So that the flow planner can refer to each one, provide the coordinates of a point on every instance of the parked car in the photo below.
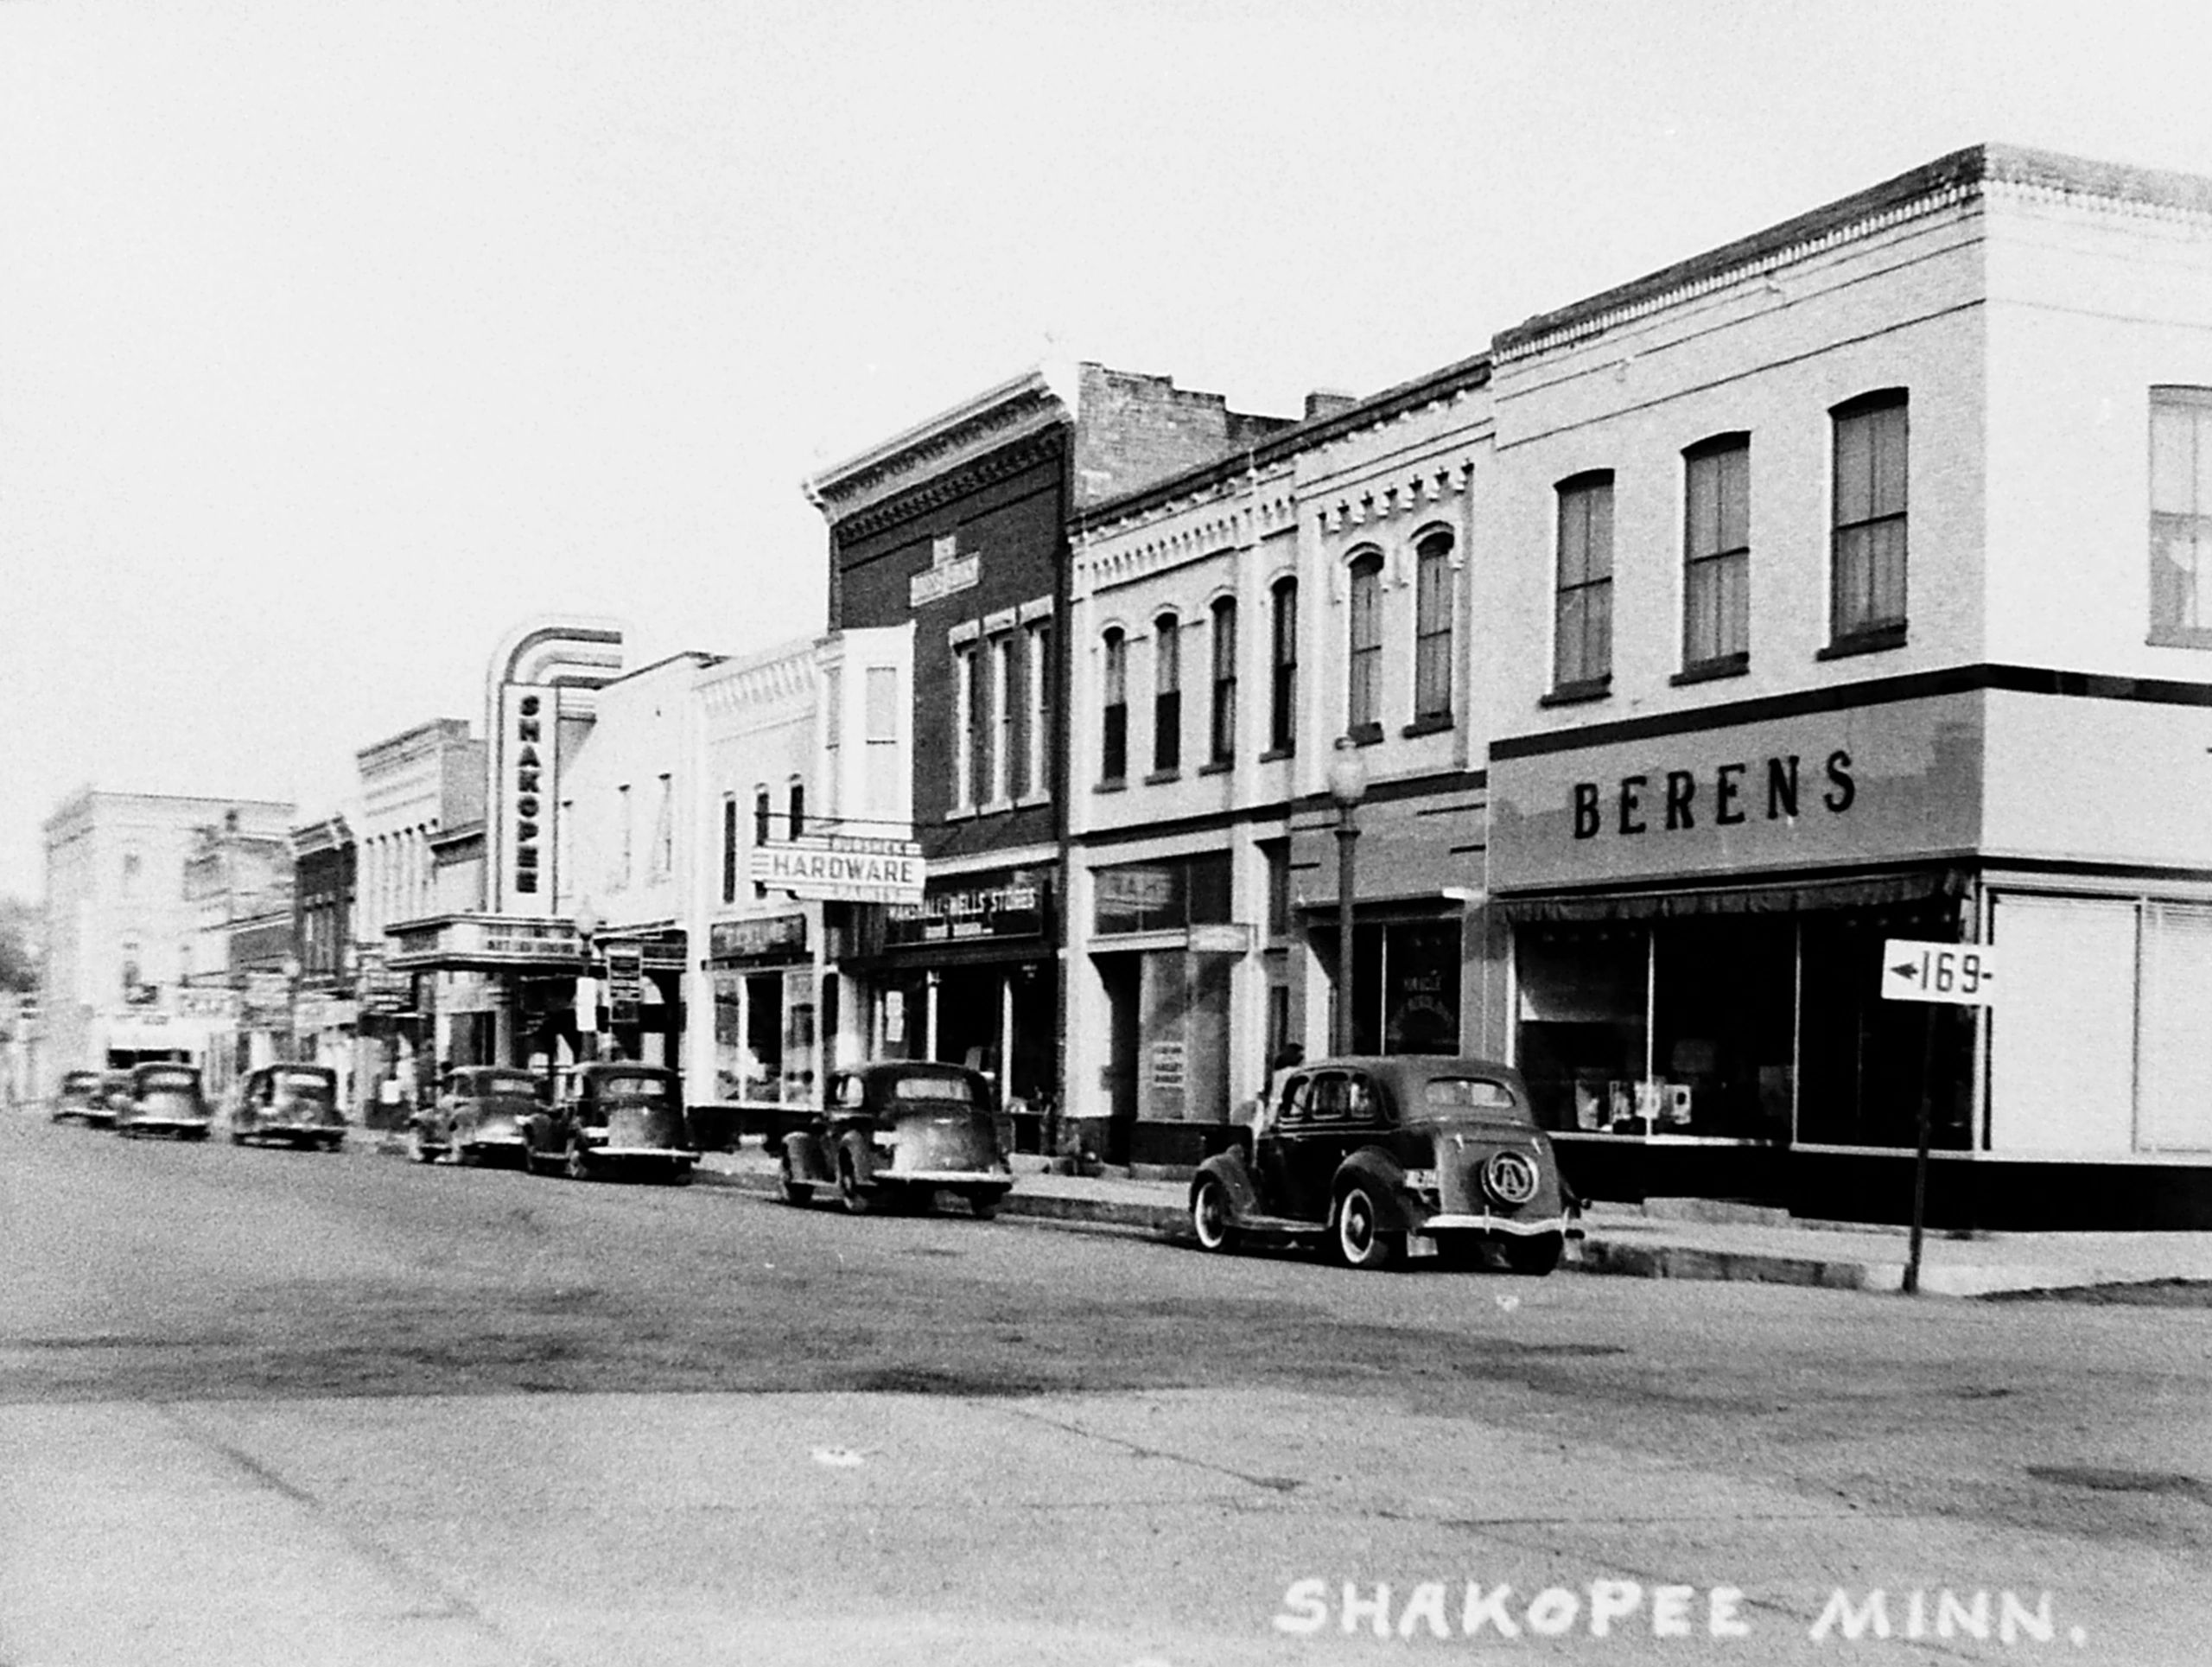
(114, 1094)
(1383, 1156)
(900, 1132)
(480, 1113)
(79, 1097)
(611, 1115)
(164, 1100)
(296, 1104)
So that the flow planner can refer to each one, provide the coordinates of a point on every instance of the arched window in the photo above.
(1166, 695)
(1364, 705)
(1433, 629)
(1282, 659)
(1223, 730)
(1113, 737)
(1868, 557)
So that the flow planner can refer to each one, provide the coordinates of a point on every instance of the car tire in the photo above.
(984, 1205)
(1537, 1255)
(575, 1163)
(851, 1193)
(1362, 1241)
(796, 1192)
(1213, 1215)
(418, 1150)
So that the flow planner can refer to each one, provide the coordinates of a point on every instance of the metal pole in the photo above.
(1347, 836)
(1920, 1159)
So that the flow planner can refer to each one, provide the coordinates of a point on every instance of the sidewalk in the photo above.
(1681, 1239)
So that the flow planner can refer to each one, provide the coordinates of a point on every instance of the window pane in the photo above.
(882, 703)
(1601, 532)
(1854, 492)
(1700, 612)
(1702, 513)
(1598, 633)
(1887, 429)
(1887, 582)
(1735, 495)
(1735, 606)
(1573, 537)
(1168, 656)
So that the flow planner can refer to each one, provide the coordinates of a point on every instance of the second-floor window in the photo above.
(1038, 692)
(1282, 659)
(1867, 555)
(1223, 730)
(1167, 694)
(798, 809)
(2181, 517)
(1717, 553)
(1363, 704)
(729, 848)
(1582, 617)
(880, 790)
(1433, 629)
(971, 727)
(1004, 692)
(1114, 728)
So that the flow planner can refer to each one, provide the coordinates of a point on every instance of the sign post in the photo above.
(1939, 975)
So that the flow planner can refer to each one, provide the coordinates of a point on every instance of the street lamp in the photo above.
(291, 972)
(587, 925)
(1347, 787)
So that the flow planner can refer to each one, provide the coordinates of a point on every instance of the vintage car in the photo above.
(479, 1115)
(897, 1131)
(609, 1115)
(79, 1097)
(163, 1099)
(294, 1103)
(1388, 1157)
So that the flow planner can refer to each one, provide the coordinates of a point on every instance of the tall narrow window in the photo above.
(1582, 622)
(1717, 553)
(2181, 517)
(967, 723)
(1166, 695)
(663, 857)
(1433, 629)
(1114, 730)
(729, 848)
(833, 737)
(1003, 693)
(1223, 730)
(880, 785)
(797, 801)
(1363, 703)
(628, 849)
(1283, 657)
(1867, 560)
(761, 814)
(1039, 692)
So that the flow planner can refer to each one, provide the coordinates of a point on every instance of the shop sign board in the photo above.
(527, 792)
(1010, 905)
(766, 938)
(834, 865)
(948, 574)
(625, 981)
(1896, 779)
(1962, 975)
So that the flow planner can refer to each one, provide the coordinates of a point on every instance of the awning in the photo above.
(1804, 895)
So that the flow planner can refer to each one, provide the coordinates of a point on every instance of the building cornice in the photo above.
(958, 478)
(1014, 409)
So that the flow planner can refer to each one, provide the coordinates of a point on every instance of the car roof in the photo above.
(1408, 1070)
(874, 1068)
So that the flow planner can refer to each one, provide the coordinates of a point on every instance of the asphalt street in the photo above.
(266, 1406)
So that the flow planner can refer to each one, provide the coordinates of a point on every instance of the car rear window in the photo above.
(301, 1082)
(1467, 1094)
(628, 1086)
(170, 1079)
(517, 1085)
(957, 1090)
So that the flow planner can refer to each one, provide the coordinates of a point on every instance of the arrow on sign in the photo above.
(1907, 970)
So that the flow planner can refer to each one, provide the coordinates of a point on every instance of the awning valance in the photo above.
(1798, 896)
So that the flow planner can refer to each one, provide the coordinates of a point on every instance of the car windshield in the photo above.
(633, 1086)
(295, 1085)
(499, 1085)
(950, 1090)
(1449, 1094)
(153, 1082)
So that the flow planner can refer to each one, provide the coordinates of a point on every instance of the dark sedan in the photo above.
(295, 1104)
(79, 1097)
(609, 1116)
(901, 1131)
(1388, 1157)
(482, 1114)
(164, 1100)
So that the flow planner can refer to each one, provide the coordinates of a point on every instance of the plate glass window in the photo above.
(1717, 553)
(1868, 552)
(2181, 516)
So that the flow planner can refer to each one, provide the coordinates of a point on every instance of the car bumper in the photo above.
(997, 1178)
(642, 1153)
(1516, 1227)
(170, 1125)
(491, 1142)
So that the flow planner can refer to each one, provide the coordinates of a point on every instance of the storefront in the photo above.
(1698, 917)
(968, 975)
(765, 1024)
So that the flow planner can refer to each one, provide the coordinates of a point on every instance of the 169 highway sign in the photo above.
(1964, 975)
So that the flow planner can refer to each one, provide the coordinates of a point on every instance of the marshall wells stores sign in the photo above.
(833, 866)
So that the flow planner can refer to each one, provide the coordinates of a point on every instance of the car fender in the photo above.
(803, 1151)
(1385, 1178)
(1228, 1168)
(855, 1144)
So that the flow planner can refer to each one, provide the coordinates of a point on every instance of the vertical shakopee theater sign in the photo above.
(529, 792)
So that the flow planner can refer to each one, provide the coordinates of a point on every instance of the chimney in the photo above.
(1327, 402)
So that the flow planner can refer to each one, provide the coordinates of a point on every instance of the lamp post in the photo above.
(587, 925)
(1347, 787)
(291, 972)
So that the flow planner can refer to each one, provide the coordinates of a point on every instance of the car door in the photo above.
(1298, 1163)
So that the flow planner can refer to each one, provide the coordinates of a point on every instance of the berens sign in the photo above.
(1902, 779)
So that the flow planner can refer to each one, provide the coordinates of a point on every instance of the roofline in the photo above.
(1461, 374)
(1037, 380)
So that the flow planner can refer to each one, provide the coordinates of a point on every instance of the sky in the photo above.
(336, 339)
